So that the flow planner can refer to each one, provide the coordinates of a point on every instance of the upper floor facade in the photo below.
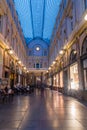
(13, 49)
(38, 55)
(70, 22)
(11, 34)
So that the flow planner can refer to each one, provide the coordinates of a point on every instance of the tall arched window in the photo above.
(84, 46)
(85, 4)
(73, 56)
(37, 65)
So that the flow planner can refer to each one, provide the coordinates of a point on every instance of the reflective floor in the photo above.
(43, 111)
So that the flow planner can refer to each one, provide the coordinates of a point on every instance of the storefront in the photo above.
(74, 74)
(49, 82)
(74, 79)
(65, 79)
(55, 81)
(61, 79)
(12, 73)
(84, 62)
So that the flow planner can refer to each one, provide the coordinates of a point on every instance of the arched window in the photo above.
(73, 56)
(37, 65)
(34, 65)
(84, 46)
(85, 4)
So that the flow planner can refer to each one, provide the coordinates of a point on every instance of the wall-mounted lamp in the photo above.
(19, 62)
(54, 62)
(49, 68)
(62, 51)
(75, 52)
(24, 68)
(85, 17)
(10, 51)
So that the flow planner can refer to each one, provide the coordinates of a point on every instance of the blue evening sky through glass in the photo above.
(37, 17)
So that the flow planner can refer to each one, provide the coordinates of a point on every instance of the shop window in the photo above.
(84, 46)
(61, 79)
(74, 79)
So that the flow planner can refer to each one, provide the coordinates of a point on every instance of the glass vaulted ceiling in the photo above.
(37, 17)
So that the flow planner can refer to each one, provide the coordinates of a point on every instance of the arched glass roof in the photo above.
(37, 17)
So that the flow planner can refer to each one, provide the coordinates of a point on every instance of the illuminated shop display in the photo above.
(56, 80)
(61, 79)
(49, 82)
(74, 80)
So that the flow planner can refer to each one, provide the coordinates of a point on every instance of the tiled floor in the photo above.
(48, 111)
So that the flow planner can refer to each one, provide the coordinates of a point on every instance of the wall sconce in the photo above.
(85, 17)
(54, 62)
(24, 68)
(75, 52)
(49, 68)
(10, 51)
(62, 51)
(19, 62)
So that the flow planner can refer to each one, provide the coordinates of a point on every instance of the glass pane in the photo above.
(37, 17)
(74, 79)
